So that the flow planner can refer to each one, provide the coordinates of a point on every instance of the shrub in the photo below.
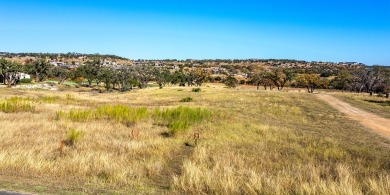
(186, 99)
(72, 137)
(25, 80)
(17, 104)
(196, 89)
(242, 82)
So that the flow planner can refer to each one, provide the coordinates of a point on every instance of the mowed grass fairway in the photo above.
(251, 142)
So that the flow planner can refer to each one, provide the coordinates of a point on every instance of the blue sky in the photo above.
(321, 30)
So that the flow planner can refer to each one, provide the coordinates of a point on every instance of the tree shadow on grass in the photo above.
(379, 102)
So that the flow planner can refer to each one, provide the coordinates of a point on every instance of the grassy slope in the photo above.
(258, 141)
(377, 105)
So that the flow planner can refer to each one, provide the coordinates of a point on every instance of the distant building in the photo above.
(22, 75)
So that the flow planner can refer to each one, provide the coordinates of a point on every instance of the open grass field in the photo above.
(251, 142)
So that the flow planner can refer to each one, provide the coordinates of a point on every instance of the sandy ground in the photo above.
(374, 122)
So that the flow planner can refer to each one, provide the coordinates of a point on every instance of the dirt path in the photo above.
(10, 193)
(377, 124)
(174, 167)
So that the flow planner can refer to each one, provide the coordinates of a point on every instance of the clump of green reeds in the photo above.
(176, 119)
(60, 114)
(72, 136)
(122, 114)
(48, 99)
(70, 96)
(180, 118)
(17, 104)
(119, 113)
(81, 115)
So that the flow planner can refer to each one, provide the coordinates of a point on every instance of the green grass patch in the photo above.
(17, 104)
(186, 99)
(123, 114)
(25, 80)
(72, 136)
(196, 89)
(119, 113)
(180, 118)
(175, 119)
(70, 97)
(48, 99)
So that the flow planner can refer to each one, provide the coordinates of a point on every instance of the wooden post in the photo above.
(196, 137)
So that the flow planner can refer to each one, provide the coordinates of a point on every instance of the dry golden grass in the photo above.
(255, 142)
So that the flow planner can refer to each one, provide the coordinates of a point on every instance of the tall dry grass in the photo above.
(251, 142)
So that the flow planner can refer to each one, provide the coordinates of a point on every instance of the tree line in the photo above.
(118, 77)
(375, 79)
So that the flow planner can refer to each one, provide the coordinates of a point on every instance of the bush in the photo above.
(242, 82)
(72, 137)
(186, 99)
(25, 80)
(326, 74)
(196, 89)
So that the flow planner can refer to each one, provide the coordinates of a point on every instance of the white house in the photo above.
(22, 75)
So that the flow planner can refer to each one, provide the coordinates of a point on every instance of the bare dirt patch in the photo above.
(378, 124)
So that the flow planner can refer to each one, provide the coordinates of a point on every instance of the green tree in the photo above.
(162, 76)
(9, 71)
(40, 68)
(231, 82)
(60, 73)
(262, 78)
(143, 74)
(310, 81)
(126, 78)
(107, 75)
(282, 76)
(342, 80)
(91, 70)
